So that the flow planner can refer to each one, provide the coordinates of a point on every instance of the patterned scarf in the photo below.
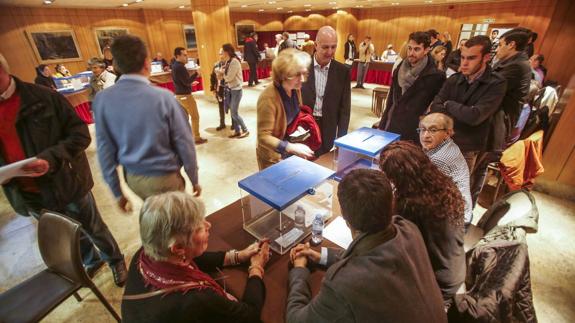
(162, 275)
(408, 74)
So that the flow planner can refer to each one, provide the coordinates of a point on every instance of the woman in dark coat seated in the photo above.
(44, 76)
(167, 280)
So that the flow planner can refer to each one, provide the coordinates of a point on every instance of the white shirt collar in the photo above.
(9, 91)
(135, 77)
(316, 64)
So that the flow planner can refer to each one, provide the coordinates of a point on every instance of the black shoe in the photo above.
(231, 127)
(235, 135)
(200, 141)
(258, 83)
(250, 85)
(93, 269)
(221, 127)
(120, 273)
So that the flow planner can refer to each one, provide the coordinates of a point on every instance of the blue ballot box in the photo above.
(280, 202)
(360, 149)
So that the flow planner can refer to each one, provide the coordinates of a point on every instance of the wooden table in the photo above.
(227, 233)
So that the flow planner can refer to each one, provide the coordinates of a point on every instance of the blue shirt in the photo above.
(144, 129)
(291, 108)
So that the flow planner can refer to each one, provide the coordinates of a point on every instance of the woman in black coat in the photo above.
(44, 76)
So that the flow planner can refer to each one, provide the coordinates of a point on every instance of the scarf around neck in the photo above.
(163, 274)
(408, 74)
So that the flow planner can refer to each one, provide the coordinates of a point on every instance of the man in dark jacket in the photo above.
(38, 122)
(287, 42)
(252, 56)
(513, 65)
(416, 81)
(472, 98)
(327, 90)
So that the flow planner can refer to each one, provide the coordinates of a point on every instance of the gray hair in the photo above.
(96, 61)
(168, 218)
(4, 64)
(445, 119)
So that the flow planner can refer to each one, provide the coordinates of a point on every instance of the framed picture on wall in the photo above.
(54, 46)
(243, 31)
(190, 37)
(105, 36)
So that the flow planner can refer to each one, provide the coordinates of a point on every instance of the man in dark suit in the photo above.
(252, 56)
(416, 81)
(327, 90)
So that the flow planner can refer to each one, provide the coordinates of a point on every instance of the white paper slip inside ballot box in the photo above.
(14, 170)
(338, 232)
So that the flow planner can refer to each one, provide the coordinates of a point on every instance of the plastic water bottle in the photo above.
(299, 218)
(317, 230)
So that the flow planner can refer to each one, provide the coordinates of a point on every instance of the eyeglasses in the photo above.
(432, 131)
(302, 75)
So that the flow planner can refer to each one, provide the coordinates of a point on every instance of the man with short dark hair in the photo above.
(38, 122)
(327, 90)
(415, 83)
(473, 98)
(143, 128)
(513, 65)
(434, 39)
(385, 273)
(183, 87)
(252, 56)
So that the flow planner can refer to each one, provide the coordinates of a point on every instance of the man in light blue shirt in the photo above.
(143, 128)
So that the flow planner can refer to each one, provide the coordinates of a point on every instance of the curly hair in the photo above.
(420, 187)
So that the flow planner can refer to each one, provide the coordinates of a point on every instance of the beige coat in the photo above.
(272, 125)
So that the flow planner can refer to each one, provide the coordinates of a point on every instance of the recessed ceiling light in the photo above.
(48, 1)
(181, 7)
(124, 4)
(307, 5)
(307, 9)
(280, 8)
(261, 10)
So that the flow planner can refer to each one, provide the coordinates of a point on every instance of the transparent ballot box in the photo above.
(280, 203)
(360, 149)
(73, 83)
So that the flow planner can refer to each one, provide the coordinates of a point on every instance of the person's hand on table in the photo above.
(247, 253)
(259, 260)
(197, 190)
(300, 254)
(299, 150)
(36, 168)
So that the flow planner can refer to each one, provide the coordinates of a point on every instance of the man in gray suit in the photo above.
(385, 274)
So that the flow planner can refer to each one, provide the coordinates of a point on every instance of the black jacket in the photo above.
(402, 112)
(288, 43)
(336, 106)
(46, 81)
(454, 60)
(49, 129)
(517, 71)
(251, 52)
(472, 107)
(195, 305)
(349, 44)
(214, 81)
(182, 80)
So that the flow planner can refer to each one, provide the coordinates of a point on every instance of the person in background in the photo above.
(269, 51)
(61, 71)
(400, 57)
(101, 78)
(431, 200)
(38, 122)
(538, 70)
(389, 55)
(415, 83)
(286, 42)
(278, 106)
(473, 98)
(435, 132)
(217, 85)
(183, 84)
(494, 37)
(454, 59)
(530, 48)
(160, 58)
(308, 46)
(173, 265)
(350, 52)
(384, 275)
(438, 55)
(143, 128)
(233, 78)
(252, 56)
(434, 39)
(44, 77)
(327, 90)
(108, 59)
(365, 51)
(279, 40)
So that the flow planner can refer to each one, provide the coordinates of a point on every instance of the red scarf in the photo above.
(163, 274)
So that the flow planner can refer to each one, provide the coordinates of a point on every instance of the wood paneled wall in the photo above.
(393, 25)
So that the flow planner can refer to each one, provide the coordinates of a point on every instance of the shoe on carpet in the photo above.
(201, 140)
(120, 273)
(235, 135)
(221, 127)
(244, 134)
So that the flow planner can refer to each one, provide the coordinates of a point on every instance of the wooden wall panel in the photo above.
(393, 25)
(310, 21)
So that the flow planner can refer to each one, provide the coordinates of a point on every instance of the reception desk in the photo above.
(378, 72)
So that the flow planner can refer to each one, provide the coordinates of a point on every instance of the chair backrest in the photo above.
(59, 244)
(516, 208)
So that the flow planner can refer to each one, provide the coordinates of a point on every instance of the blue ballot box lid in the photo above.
(285, 182)
(367, 141)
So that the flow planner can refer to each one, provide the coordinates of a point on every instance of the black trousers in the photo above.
(222, 112)
(253, 73)
(95, 233)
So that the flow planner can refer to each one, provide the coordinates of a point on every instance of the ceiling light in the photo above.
(429, 1)
(261, 10)
(181, 7)
(307, 9)
(48, 1)
(359, 6)
(280, 8)
(290, 11)
(244, 6)
(124, 4)
(307, 5)
(395, 3)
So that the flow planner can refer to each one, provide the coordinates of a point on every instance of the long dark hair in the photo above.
(421, 188)
(229, 48)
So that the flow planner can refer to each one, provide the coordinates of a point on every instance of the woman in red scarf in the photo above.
(167, 279)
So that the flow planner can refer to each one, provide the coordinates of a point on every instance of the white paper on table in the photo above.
(338, 232)
(14, 170)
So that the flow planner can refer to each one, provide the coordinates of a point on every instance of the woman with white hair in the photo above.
(279, 105)
(168, 280)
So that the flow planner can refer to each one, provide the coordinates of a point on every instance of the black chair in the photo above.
(33, 299)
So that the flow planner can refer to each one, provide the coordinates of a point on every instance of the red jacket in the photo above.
(306, 120)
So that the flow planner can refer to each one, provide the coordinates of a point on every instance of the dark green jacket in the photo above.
(49, 129)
